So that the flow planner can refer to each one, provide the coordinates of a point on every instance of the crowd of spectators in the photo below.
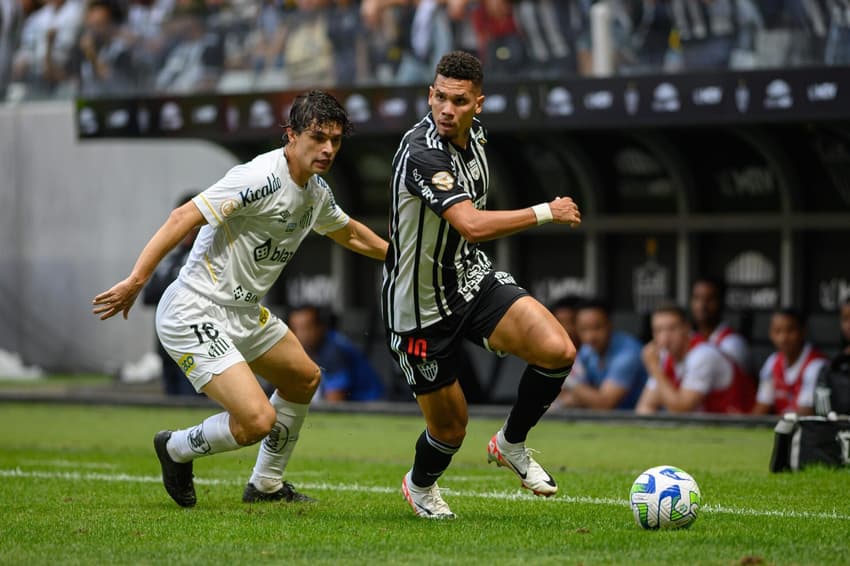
(56, 48)
(693, 360)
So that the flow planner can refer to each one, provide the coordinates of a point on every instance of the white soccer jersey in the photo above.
(704, 369)
(257, 217)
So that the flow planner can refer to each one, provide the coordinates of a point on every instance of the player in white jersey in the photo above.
(439, 288)
(211, 321)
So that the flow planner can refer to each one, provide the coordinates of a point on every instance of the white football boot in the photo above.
(425, 501)
(517, 458)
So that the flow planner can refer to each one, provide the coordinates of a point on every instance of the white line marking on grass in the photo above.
(501, 495)
(69, 464)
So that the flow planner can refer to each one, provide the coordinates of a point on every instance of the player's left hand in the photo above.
(119, 298)
(565, 211)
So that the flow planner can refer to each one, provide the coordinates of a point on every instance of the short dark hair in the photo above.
(462, 66)
(595, 304)
(319, 108)
(797, 315)
(566, 302)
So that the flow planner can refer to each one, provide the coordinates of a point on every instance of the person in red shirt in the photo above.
(686, 373)
(788, 377)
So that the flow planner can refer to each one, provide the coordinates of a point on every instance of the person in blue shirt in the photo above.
(614, 374)
(347, 374)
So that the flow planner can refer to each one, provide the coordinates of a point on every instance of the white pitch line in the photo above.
(501, 495)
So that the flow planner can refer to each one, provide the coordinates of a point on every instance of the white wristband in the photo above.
(543, 213)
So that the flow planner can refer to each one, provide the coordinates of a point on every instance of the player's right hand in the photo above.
(565, 211)
(119, 298)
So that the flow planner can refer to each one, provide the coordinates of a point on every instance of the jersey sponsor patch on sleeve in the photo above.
(443, 181)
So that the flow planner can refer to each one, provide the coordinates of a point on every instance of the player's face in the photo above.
(705, 304)
(786, 335)
(313, 150)
(309, 331)
(594, 329)
(670, 333)
(454, 103)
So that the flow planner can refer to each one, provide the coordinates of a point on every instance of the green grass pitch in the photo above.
(80, 485)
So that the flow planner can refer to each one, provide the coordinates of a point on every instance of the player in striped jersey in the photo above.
(439, 288)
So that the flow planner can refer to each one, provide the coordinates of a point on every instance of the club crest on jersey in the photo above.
(443, 181)
(474, 169)
(229, 206)
(429, 370)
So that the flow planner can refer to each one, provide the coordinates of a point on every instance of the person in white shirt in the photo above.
(211, 320)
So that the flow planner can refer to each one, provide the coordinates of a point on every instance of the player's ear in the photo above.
(479, 104)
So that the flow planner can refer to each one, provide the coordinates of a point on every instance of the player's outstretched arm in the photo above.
(122, 295)
(359, 238)
(482, 225)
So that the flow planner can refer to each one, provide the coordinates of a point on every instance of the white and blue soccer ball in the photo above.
(665, 497)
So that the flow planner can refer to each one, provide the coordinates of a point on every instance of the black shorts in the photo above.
(428, 358)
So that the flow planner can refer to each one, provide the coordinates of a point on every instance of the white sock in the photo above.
(210, 437)
(277, 447)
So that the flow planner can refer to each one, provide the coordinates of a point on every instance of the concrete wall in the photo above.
(73, 218)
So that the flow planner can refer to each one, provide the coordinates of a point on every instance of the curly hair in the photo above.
(461, 65)
(319, 108)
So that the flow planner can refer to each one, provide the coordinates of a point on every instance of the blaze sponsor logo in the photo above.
(279, 255)
(443, 181)
(250, 195)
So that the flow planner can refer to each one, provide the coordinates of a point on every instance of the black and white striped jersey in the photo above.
(430, 271)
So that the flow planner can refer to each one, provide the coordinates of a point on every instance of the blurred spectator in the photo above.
(837, 50)
(174, 381)
(102, 59)
(642, 29)
(145, 32)
(688, 374)
(307, 49)
(707, 296)
(11, 19)
(565, 310)
(500, 43)
(544, 27)
(348, 38)
(788, 377)
(706, 33)
(614, 375)
(195, 53)
(428, 37)
(47, 39)
(844, 321)
(347, 374)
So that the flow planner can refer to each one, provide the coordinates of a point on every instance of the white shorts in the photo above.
(205, 338)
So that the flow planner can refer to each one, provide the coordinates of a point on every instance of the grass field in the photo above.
(80, 485)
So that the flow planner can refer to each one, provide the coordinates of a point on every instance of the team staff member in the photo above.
(439, 287)
(211, 321)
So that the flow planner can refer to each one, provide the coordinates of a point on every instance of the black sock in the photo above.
(432, 459)
(537, 389)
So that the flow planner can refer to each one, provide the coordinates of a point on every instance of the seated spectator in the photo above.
(688, 374)
(788, 377)
(565, 310)
(844, 321)
(346, 373)
(614, 375)
(103, 59)
(47, 40)
(706, 304)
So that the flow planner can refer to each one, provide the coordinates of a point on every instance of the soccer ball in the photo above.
(665, 497)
